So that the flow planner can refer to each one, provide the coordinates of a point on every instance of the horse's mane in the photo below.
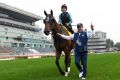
(60, 28)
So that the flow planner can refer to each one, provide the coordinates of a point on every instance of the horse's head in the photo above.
(49, 22)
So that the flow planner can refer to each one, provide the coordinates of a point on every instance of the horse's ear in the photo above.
(51, 12)
(45, 12)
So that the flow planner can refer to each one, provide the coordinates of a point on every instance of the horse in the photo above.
(52, 27)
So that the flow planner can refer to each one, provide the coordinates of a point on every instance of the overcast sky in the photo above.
(104, 14)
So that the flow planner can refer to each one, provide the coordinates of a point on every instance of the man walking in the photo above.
(80, 39)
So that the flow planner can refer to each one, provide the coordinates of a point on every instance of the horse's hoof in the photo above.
(66, 74)
(68, 69)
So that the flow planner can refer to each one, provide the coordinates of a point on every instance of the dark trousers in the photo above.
(81, 62)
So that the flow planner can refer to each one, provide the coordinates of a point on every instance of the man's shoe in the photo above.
(80, 74)
(83, 78)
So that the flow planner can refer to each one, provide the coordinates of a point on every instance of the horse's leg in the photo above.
(58, 54)
(67, 62)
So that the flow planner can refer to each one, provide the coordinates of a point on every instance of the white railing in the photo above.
(99, 43)
(92, 47)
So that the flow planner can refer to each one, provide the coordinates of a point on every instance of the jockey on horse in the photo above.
(61, 45)
(65, 18)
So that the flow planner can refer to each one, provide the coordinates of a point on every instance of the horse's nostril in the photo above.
(46, 32)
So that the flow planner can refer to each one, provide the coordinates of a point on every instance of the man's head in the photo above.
(64, 8)
(80, 27)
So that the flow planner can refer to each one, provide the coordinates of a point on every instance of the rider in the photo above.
(65, 18)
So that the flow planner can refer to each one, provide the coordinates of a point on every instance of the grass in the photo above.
(100, 67)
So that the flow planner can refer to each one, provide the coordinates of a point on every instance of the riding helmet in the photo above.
(64, 5)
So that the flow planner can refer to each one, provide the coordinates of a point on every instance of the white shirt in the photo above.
(72, 36)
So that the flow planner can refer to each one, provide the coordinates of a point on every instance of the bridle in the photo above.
(49, 20)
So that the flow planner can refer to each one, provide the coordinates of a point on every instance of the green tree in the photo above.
(117, 45)
(109, 44)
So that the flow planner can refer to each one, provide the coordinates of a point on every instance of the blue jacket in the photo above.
(80, 42)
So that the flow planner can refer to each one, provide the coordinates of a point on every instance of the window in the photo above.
(6, 37)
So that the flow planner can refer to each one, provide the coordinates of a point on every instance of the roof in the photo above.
(20, 11)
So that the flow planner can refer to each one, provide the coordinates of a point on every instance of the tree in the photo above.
(110, 44)
(117, 45)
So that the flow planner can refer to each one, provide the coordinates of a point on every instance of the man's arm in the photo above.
(66, 37)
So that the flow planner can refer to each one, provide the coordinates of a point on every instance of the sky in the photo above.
(104, 14)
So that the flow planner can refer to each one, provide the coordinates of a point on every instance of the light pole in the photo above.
(92, 29)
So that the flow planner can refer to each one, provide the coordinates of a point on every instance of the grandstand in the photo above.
(19, 34)
(97, 42)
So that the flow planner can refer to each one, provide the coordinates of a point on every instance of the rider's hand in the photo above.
(67, 24)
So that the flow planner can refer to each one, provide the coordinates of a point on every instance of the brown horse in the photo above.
(51, 26)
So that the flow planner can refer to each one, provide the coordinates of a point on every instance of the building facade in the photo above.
(18, 29)
(97, 42)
